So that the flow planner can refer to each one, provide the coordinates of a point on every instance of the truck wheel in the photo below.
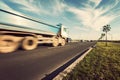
(8, 46)
(29, 43)
(63, 42)
(55, 43)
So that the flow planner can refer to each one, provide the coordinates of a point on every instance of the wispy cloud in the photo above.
(49, 7)
(7, 7)
(96, 2)
(27, 5)
(95, 18)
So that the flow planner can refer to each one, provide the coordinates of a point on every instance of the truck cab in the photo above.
(63, 31)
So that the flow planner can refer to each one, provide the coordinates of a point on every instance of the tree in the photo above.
(106, 29)
(102, 35)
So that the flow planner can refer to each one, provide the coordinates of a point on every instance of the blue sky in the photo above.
(84, 18)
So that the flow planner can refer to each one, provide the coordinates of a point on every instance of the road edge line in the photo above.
(71, 67)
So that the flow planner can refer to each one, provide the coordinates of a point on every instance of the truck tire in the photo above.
(55, 42)
(8, 46)
(29, 43)
(63, 42)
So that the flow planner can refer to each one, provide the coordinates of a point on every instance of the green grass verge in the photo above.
(102, 63)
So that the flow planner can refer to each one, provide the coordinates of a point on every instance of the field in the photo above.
(102, 63)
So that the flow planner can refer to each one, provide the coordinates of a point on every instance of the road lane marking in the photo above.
(57, 47)
(71, 67)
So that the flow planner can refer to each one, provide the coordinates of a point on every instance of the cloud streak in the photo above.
(95, 18)
(49, 7)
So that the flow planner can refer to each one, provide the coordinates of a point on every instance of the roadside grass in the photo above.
(102, 63)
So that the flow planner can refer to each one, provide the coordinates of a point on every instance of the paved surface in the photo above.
(35, 64)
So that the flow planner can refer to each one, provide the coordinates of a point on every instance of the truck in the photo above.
(21, 31)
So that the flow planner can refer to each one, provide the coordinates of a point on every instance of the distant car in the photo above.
(91, 40)
(69, 40)
(81, 41)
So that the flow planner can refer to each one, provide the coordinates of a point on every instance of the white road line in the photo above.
(71, 67)
(57, 47)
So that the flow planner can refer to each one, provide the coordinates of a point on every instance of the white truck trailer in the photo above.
(20, 31)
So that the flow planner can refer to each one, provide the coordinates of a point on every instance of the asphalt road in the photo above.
(35, 64)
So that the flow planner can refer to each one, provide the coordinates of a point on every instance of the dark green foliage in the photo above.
(102, 63)
(106, 29)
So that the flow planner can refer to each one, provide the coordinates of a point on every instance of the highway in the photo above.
(38, 63)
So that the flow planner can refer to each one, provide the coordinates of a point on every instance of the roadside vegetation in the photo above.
(102, 63)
